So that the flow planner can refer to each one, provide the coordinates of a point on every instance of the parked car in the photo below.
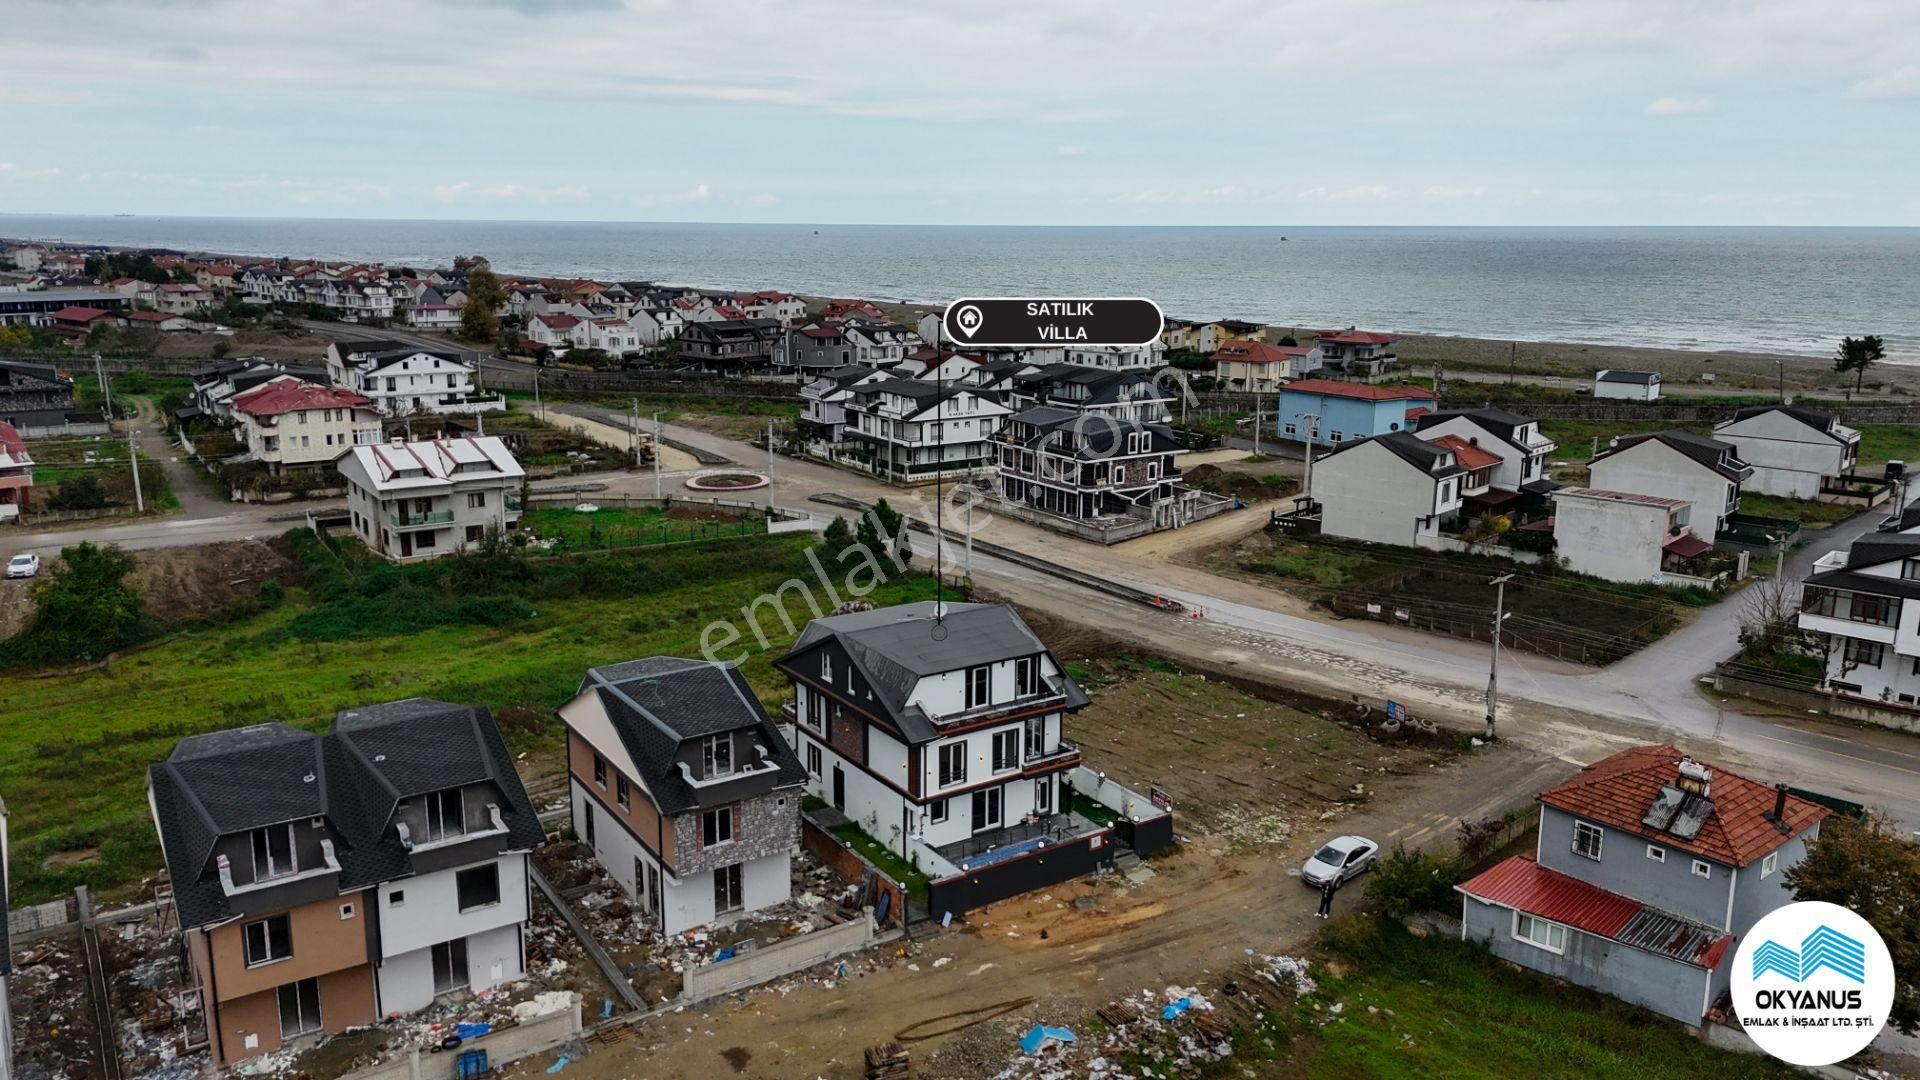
(1342, 859)
(25, 565)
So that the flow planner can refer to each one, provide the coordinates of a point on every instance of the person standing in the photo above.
(1327, 890)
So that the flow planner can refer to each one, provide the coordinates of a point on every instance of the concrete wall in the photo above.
(1624, 867)
(756, 966)
(494, 953)
(1654, 468)
(1842, 705)
(507, 1045)
(1788, 457)
(853, 868)
(1665, 986)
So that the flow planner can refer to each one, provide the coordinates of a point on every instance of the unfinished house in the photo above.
(683, 788)
(324, 881)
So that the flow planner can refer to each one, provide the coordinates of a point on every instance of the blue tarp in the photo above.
(1041, 1034)
(471, 1031)
(1173, 1011)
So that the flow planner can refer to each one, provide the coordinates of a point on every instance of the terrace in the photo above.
(1019, 838)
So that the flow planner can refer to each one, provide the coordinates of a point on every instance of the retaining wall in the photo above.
(755, 966)
(1886, 715)
(536, 1036)
(853, 869)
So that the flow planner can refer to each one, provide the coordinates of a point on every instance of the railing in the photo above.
(985, 712)
(436, 517)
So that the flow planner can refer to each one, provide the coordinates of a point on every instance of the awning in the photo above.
(1687, 546)
(1540, 525)
(1494, 497)
(17, 480)
(1542, 486)
(191, 412)
(1522, 884)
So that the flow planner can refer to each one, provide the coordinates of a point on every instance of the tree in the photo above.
(78, 493)
(1874, 871)
(838, 534)
(1857, 354)
(884, 518)
(1288, 340)
(484, 297)
(85, 608)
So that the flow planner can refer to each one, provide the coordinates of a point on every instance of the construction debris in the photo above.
(889, 1061)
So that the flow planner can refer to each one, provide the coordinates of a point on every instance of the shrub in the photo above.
(85, 609)
(78, 493)
(1408, 881)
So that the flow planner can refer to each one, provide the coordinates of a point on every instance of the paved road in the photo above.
(1573, 712)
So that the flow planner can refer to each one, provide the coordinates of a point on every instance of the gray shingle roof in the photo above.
(231, 782)
(1714, 454)
(1638, 378)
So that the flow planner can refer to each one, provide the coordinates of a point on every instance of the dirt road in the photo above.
(1204, 909)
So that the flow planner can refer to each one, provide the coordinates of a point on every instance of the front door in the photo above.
(839, 788)
(986, 809)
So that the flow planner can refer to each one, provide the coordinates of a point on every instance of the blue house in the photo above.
(1649, 868)
(1327, 413)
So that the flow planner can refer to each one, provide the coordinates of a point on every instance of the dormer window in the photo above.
(445, 815)
(826, 669)
(1026, 676)
(273, 853)
(979, 686)
(716, 755)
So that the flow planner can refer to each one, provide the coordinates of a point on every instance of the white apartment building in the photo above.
(1621, 536)
(403, 378)
(1141, 358)
(1863, 605)
(1389, 489)
(290, 423)
(432, 497)
(1794, 452)
(909, 430)
(1676, 465)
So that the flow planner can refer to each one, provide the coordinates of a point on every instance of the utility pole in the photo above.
(1256, 423)
(1513, 359)
(537, 407)
(1783, 381)
(1493, 669)
(133, 454)
(633, 433)
(769, 476)
(656, 455)
(1313, 435)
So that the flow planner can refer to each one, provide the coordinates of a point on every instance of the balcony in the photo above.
(979, 713)
(329, 864)
(1059, 757)
(423, 520)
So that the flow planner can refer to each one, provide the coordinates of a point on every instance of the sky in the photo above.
(1272, 112)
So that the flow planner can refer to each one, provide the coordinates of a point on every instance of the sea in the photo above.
(1753, 289)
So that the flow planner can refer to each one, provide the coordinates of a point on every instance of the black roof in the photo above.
(1714, 454)
(1872, 550)
(1498, 422)
(380, 345)
(894, 647)
(1413, 450)
(659, 703)
(230, 782)
(1641, 378)
(1866, 583)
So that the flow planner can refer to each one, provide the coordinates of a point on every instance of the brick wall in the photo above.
(851, 867)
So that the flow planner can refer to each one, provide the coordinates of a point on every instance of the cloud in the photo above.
(1071, 150)
(13, 171)
(1673, 106)
(468, 191)
(1901, 82)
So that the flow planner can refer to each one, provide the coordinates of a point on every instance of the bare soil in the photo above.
(272, 344)
(181, 583)
(738, 428)
(53, 1020)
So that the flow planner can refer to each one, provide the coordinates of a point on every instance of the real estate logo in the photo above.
(1812, 983)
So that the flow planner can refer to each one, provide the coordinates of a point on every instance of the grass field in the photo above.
(1810, 513)
(614, 527)
(1419, 1007)
(74, 749)
(1575, 437)
(1889, 442)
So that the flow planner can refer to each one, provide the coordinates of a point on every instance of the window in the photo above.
(1769, 864)
(1859, 653)
(1036, 737)
(1335, 436)
(1289, 429)
(445, 816)
(396, 898)
(1006, 750)
(450, 966)
(716, 827)
(476, 500)
(1910, 569)
(1702, 868)
(600, 772)
(299, 1008)
(268, 940)
(979, 686)
(346, 912)
(953, 764)
(986, 808)
(622, 793)
(476, 533)
(1586, 839)
(589, 809)
(1656, 853)
(726, 889)
(1880, 610)
(1026, 676)
(717, 755)
(478, 886)
(1043, 795)
(273, 852)
(937, 811)
(1539, 933)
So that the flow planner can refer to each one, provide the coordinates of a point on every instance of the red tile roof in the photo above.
(10, 441)
(1353, 337)
(76, 313)
(1617, 791)
(1522, 884)
(151, 316)
(1256, 352)
(1470, 456)
(1358, 391)
(1687, 546)
(1417, 412)
(286, 395)
(558, 322)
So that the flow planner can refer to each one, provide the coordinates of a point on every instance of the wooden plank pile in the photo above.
(889, 1061)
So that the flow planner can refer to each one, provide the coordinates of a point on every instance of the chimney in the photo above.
(1779, 814)
(1695, 777)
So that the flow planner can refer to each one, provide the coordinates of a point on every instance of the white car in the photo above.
(1342, 859)
(23, 565)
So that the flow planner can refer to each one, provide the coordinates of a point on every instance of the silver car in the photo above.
(1341, 860)
(23, 565)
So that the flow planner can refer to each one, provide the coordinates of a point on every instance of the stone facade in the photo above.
(765, 826)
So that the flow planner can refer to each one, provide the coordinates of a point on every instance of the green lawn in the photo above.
(1446, 1008)
(612, 526)
(1576, 437)
(1890, 442)
(883, 857)
(1810, 513)
(74, 749)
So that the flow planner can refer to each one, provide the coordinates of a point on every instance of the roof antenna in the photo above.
(939, 488)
